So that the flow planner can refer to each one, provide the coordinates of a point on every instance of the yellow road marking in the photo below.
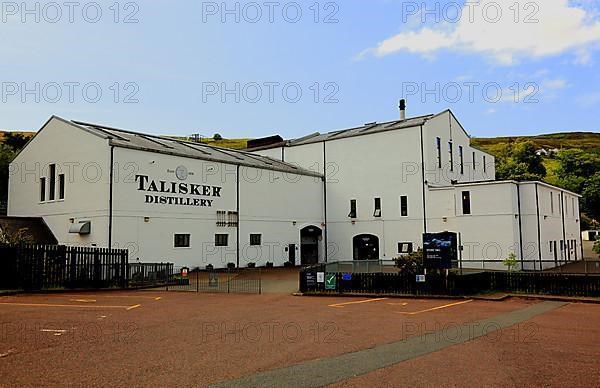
(398, 304)
(435, 308)
(158, 298)
(62, 305)
(117, 296)
(84, 300)
(55, 332)
(356, 302)
(133, 307)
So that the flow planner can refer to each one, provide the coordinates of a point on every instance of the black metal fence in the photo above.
(149, 274)
(45, 267)
(245, 281)
(51, 267)
(316, 280)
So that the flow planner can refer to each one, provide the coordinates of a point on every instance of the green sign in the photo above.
(330, 281)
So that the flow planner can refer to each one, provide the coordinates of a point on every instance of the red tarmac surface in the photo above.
(188, 339)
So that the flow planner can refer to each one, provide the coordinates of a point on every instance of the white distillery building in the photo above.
(388, 183)
(165, 199)
(368, 192)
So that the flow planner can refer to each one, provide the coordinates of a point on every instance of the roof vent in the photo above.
(403, 109)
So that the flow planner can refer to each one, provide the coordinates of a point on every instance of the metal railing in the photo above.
(238, 280)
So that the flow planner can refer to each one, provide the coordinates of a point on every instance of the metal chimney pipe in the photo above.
(403, 109)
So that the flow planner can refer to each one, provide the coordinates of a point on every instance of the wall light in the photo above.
(146, 219)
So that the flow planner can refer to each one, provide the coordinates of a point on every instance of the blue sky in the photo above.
(177, 58)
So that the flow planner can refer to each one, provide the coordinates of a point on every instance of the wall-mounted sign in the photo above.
(439, 250)
(181, 173)
(420, 279)
(311, 279)
(347, 276)
(182, 194)
(330, 281)
(321, 277)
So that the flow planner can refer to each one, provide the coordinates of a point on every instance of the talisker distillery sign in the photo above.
(177, 193)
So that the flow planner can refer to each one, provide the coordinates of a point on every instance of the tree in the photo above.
(15, 140)
(217, 137)
(6, 156)
(518, 161)
(575, 167)
(591, 196)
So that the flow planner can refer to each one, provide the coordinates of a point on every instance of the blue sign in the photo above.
(347, 276)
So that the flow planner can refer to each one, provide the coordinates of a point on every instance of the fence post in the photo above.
(259, 282)
(198, 280)
(228, 279)
(97, 268)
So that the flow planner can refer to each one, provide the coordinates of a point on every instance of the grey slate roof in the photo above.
(151, 143)
(366, 129)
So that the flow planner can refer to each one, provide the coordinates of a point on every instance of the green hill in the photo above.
(587, 141)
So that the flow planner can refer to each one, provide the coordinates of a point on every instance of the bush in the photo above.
(217, 137)
(411, 263)
(596, 247)
(231, 265)
(510, 262)
(210, 267)
(288, 264)
(251, 265)
(269, 264)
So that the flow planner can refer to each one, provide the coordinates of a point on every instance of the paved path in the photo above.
(330, 370)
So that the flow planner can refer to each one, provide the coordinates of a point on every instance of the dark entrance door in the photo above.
(366, 247)
(309, 245)
(292, 253)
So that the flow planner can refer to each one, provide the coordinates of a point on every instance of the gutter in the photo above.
(110, 196)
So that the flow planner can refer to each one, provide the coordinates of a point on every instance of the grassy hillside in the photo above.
(588, 141)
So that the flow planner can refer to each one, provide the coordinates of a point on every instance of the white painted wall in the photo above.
(84, 159)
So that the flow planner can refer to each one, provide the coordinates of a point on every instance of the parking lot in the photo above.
(176, 338)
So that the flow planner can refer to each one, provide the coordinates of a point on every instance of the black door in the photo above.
(366, 247)
(292, 253)
(309, 245)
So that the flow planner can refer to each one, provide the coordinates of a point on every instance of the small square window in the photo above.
(255, 239)
(405, 247)
(181, 241)
(221, 240)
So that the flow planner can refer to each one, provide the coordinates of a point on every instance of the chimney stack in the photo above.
(403, 109)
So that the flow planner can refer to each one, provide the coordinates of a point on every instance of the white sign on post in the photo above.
(420, 278)
(320, 277)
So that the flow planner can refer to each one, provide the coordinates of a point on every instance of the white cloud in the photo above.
(554, 27)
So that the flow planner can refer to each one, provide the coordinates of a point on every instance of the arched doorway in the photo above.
(365, 247)
(309, 244)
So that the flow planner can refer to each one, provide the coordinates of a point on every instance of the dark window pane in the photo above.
(466, 202)
(404, 206)
(352, 213)
(42, 189)
(221, 240)
(52, 176)
(439, 151)
(181, 241)
(61, 186)
(255, 239)
(451, 152)
(377, 212)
